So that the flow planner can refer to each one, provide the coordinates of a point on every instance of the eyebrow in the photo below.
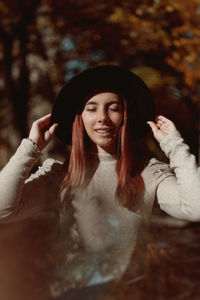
(109, 103)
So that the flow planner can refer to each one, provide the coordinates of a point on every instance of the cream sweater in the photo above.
(97, 236)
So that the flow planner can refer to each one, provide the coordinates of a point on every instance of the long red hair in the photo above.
(130, 183)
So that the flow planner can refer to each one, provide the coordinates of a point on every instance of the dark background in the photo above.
(43, 43)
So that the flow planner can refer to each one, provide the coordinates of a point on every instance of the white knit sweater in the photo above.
(97, 236)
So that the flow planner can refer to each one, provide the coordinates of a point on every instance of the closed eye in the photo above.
(116, 108)
(91, 109)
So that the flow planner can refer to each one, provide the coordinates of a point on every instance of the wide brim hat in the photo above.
(107, 78)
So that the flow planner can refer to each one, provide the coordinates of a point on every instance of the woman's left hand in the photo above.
(161, 127)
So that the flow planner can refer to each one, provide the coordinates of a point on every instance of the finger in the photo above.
(44, 123)
(46, 117)
(162, 125)
(159, 123)
(167, 122)
(163, 119)
(52, 129)
(47, 136)
(153, 126)
(44, 120)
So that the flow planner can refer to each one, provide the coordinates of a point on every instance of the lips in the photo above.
(104, 131)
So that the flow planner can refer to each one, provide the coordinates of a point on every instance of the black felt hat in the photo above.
(107, 78)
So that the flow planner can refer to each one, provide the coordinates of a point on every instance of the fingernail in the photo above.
(47, 135)
(51, 130)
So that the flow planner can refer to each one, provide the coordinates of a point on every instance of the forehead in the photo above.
(103, 98)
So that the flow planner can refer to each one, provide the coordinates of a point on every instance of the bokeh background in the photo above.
(43, 43)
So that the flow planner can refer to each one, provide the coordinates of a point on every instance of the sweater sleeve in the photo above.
(178, 193)
(21, 195)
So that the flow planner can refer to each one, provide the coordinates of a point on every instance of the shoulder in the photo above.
(156, 171)
(50, 168)
(52, 164)
(156, 165)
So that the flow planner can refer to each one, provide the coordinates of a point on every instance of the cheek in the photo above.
(118, 121)
(87, 121)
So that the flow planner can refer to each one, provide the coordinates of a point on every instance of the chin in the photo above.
(104, 145)
(109, 148)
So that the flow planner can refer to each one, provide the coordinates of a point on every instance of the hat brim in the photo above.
(72, 97)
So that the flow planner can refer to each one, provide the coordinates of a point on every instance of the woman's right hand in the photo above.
(41, 133)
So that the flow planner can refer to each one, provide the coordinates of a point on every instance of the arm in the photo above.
(15, 173)
(13, 176)
(178, 193)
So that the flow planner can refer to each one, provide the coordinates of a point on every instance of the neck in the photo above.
(103, 150)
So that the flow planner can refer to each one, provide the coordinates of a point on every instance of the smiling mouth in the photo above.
(104, 131)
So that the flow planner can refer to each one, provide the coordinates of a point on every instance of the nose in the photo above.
(103, 116)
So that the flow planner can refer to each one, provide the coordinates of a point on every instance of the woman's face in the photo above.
(102, 118)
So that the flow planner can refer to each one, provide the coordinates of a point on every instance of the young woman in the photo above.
(101, 198)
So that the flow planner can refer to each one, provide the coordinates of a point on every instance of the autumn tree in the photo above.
(45, 42)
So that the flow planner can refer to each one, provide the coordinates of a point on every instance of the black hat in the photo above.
(107, 78)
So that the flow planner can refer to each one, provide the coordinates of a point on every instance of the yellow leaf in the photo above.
(117, 16)
(151, 77)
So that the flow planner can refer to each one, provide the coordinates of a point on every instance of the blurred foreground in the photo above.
(169, 270)
(173, 268)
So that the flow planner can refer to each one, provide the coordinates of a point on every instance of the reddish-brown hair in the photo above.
(130, 184)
